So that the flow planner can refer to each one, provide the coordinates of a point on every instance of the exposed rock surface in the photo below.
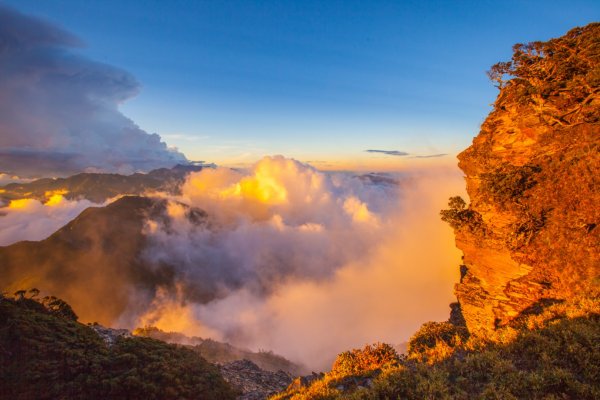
(253, 382)
(110, 335)
(530, 234)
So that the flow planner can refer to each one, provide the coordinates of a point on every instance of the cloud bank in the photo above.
(304, 263)
(279, 256)
(403, 154)
(432, 155)
(59, 111)
(29, 219)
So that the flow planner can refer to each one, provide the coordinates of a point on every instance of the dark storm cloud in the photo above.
(432, 156)
(59, 111)
(389, 152)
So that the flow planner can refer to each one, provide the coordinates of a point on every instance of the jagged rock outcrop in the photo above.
(530, 234)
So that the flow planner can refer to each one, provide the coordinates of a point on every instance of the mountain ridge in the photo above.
(82, 261)
(100, 187)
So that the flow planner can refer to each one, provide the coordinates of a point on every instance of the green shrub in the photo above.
(509, 183)
(459, 217)
(435, 341)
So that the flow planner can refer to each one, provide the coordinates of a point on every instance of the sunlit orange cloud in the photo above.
(170, 313)
(35, 219)
(406, 278)
(364, 264)
(55, 197)
(21, 203)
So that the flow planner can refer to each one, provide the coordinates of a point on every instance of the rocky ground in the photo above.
(110, 335)
(253, 382)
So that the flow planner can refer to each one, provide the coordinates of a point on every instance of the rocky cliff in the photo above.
(529, 291)
(530, 235)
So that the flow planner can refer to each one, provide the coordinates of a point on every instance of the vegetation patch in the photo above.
(460, 217)
(559, 78)
(370, 358)
(435, 341)
(46, 354)
(552, 354)
(509, 183)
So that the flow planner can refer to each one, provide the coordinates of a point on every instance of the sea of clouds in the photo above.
(279, 256)
(302, 262)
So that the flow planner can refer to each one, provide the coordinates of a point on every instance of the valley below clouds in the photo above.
(280, 256)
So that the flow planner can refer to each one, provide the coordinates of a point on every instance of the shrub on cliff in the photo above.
(360, 361)
(509, 183)
(435, 341)
(558, 78)
(459, 216)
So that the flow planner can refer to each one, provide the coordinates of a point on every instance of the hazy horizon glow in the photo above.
(302, 262)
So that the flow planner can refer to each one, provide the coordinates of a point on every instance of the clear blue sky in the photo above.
(230, 81)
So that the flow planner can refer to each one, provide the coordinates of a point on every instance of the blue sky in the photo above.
(321, 81)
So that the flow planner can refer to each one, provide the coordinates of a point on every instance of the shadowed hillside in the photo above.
(46, 354)
(84, 261)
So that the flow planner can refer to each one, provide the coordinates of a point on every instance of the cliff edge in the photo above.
(530, 235)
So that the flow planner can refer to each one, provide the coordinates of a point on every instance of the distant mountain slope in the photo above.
(46, 356)
(221, 353)
(98, 187)
(92, 258)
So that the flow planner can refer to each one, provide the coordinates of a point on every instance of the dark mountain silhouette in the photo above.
(98, 187)
(88, 261)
